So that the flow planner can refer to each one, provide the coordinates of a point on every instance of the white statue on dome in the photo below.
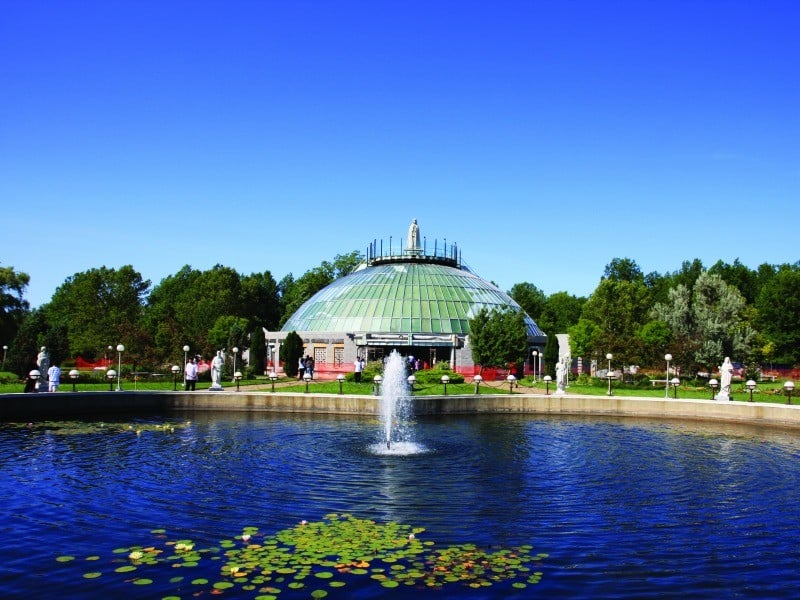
(413, 244)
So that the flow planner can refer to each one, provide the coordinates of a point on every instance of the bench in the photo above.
(662, 382)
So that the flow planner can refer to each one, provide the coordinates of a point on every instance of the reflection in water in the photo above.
(625, 508)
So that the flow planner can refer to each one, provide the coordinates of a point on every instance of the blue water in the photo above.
(624, 508)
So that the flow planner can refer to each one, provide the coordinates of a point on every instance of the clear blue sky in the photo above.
(546, 138)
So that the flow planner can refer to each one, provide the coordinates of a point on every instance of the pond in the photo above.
(258, 505)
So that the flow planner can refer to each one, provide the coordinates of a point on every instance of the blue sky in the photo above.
(545, 138)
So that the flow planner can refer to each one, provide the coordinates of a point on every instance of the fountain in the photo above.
(396, 411)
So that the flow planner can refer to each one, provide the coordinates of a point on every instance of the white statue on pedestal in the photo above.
(725, 376)
(43, 363)
(216, 371)
(561, 377)
(412, 243)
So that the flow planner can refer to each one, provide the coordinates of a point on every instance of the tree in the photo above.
(99, 307)
(618, 309)
(560, 312)
(623, 269)
(13, 307)
(530, 298)
(739, 276)
(498, 338)
(291, 351)
(581, 339)
(258, 350)
(778, 306)
(707, 324)
(23, 350)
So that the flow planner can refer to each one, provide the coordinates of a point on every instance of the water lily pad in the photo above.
(93, 575)
(65, 558)
(142, 581)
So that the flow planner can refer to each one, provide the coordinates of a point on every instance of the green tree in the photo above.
(618, 309)
(100, 307)
(551, 355)
(530, 298)
(778, 307)
(581, 340)
(258, 350)
(560, 312)
(13, 307)
(499, 338)
(623, 269)
(23, 350)
(291, 351)
(655, 336)
(707, 324)
(739, 276)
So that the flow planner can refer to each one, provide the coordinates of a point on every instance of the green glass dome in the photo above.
(403, 294)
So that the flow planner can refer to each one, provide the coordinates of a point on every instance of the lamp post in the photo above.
(5, 350)
(511, 379)
(535, 357)
(272, 377)
(237, 376)
(340, 379)
(306, 378)
(34, 374)
(185, 360)
(547, 380)
(675, 383)
(667, 357)
(751, 385)
(235, 350)
(109, 351)
(377, 388)
(713, 384)
(112, 375)
(120, 350)
(411, 381)
(609, 374)
(175, 370)
(445, 381)
(477, 379)
(74, 374)
(788, 387)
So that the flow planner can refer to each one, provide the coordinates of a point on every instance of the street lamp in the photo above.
(120, 350)
(511, 379)
(237, 376)
(111, 374)
(675, 383)
(788, 388)
(411, 381)
(235, 350)
(751, 385)
(377, 389)
(185, 360)
(272, 377)
(306, 378)
(477, 379)
(609, 374)
(667, 357)
(535, 357)
(109, 350)
(175, 370)
(713, 384)
(445, 381)
(34, 374)
(547, 380)
(5, 350)
(74, 374)
(340, 379)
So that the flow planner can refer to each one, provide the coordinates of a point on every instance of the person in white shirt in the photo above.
(190, 373)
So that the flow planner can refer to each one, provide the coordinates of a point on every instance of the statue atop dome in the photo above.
(412, 244)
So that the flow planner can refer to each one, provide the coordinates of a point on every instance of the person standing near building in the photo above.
(54, 377)
(358, 367)
(190, 373)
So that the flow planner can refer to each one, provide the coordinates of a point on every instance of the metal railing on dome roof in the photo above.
(441, 253)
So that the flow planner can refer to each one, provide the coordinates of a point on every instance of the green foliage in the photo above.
(560, 312)
(434, 375)
(581, 339)
(291, 351)
(13, 307)
(258, 351)
(530, 298)
(498, 338)
(550, 356)
(778, 306)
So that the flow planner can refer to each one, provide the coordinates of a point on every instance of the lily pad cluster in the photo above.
(313, 559)
(90, 427)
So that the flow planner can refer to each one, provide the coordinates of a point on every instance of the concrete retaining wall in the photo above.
(74, 404)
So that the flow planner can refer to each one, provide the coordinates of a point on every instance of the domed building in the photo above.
(414, 298)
